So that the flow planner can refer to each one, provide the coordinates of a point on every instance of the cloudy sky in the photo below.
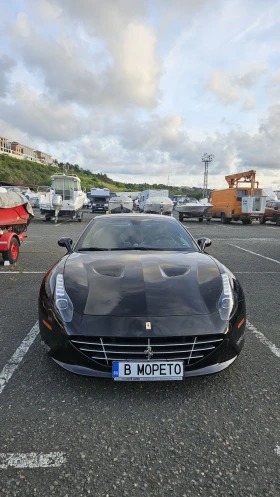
(141, 89)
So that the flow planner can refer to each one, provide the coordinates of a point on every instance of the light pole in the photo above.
(206, 158)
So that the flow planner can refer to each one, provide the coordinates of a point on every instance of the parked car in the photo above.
(137, 298)
(271, 213)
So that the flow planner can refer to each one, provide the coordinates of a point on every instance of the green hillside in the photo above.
(14, 170)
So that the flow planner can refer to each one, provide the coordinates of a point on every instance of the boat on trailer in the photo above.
(158, 205)
(120, 204)
(65, 198)
(15, 215)
(190, 207)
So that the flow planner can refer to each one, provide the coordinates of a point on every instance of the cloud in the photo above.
(105, 19)
(136, 65)
(222, 86)
(249, 75)
(228, 86)
(45, 9)
(249, 102)
(41, 116)
(126, 76)
(270, 125)
(273, 85)
(7, 64)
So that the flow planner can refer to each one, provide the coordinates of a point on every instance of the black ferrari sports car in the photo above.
(137, 298)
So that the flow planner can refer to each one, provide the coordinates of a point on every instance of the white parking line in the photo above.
(263, 339)
(256, 272)
(254, 253)
(277, 450)
(246, 239)
(13, 363)
(32, 460)
(63, 222)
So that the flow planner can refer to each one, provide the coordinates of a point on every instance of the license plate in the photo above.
(148, 371)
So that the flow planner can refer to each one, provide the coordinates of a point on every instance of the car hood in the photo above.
(137, 284)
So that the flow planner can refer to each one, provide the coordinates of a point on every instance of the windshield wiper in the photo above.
(95, 249)
(158, 249)
(91, 249)
(135, 248)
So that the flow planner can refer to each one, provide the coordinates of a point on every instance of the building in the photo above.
(16, 148)
(4, 146)
(44, 158)
(24, 152)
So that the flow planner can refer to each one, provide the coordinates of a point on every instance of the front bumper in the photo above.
(81, 370)
(68, 356)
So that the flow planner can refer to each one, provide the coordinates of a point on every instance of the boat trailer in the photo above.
(15, 215)
(9, 245)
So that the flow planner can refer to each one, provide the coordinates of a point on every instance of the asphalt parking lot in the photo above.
(206, 436)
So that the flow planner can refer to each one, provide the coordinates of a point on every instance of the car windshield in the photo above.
(139, 233)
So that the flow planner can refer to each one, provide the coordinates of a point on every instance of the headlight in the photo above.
(62, 300)
(93, 204)
(226, 302)
(105, 205)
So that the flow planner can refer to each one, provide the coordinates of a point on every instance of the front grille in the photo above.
(107, 349)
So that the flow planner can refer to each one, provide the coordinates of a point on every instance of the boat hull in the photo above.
(158, 208)
(119, 209)
(67, 209)
(16, 218)
(193, 211)
(119, 206)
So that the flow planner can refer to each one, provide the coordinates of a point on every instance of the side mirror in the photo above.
(66, 242)
(204, 242)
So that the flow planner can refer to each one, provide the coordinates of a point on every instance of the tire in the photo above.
(181, 217)
(48, 218)
(246, 221)
(12, 254)
(224, 219)
(262, 220)
(200, 219)
(278, 220)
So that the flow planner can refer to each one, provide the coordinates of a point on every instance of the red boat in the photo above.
(15, 215)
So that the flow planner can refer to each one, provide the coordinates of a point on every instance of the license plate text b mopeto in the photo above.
(148, 371)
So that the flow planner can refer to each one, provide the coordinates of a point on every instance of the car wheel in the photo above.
(262, 220)
(224, 219)
(181, 217)
(278, 220)
(200, 219)
(12, 254)
(246, 221)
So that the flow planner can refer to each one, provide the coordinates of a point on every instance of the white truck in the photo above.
(151, 193)
(99, 199)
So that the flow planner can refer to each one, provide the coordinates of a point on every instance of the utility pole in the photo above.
(206, 158)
